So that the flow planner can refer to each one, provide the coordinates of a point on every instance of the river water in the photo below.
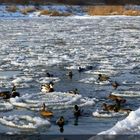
(31, 47)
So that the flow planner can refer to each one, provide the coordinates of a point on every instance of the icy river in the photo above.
(31, 47)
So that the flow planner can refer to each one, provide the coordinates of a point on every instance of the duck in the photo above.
(70, 74)
(115, 84)
(76, 111)
(108, 108)
(49, 75)
(44, 111)
(60, 122)
(80, 69)
(103, 77)
(14, 88)
(5, 94)
(48, 87)
(115, 108)
(117, 98)
(14, 92)
(8, 94)
(75, 91)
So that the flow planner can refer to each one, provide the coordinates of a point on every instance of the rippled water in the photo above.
(31, 47)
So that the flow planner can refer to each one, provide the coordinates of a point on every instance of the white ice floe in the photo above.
(5, 106)
(5, 83)
(105, 114)
(94, 81)
(72, 67)
(48, 79)
(54, 100)
(105, 71)
(23, 81)
(88, 80)
(102, 82)
(130, 82)
(24, 121)
(130, 125)
(127, 93)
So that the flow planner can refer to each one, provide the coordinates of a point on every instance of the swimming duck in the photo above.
(75, 91)
(60, 122)
(44, 111)
(81, 69)
(49, 75)
(115, 108)
(14, 88)
(115, 84)
(48, 87)
(103, 77)
(14, 92)
(77, 111)
(8, 94)
(70, 74)
(108, 107)
(117, 98)
(5, 94)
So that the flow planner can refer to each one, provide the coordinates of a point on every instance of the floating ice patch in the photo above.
(24, 122)
(93, 80)
(71, 67)
(83, 102)
(127, 93)
(48, 79)
(50, 98)
(105, 114)
(54, 100)
(88, 80)
(17, 101)
(23, 81)
(130, 82)
(5, 83)
(108, 72)
(5, 106)
(102, 82)
(87, 101)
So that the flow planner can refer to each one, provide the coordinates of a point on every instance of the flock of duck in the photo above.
(118, 101)
(49, 87)
(45, 88)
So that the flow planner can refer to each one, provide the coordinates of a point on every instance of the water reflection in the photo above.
(76, 121)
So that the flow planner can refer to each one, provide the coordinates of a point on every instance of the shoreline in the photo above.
(68, 11)
(127, 10)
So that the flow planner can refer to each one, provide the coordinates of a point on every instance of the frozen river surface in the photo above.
(31, 47)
